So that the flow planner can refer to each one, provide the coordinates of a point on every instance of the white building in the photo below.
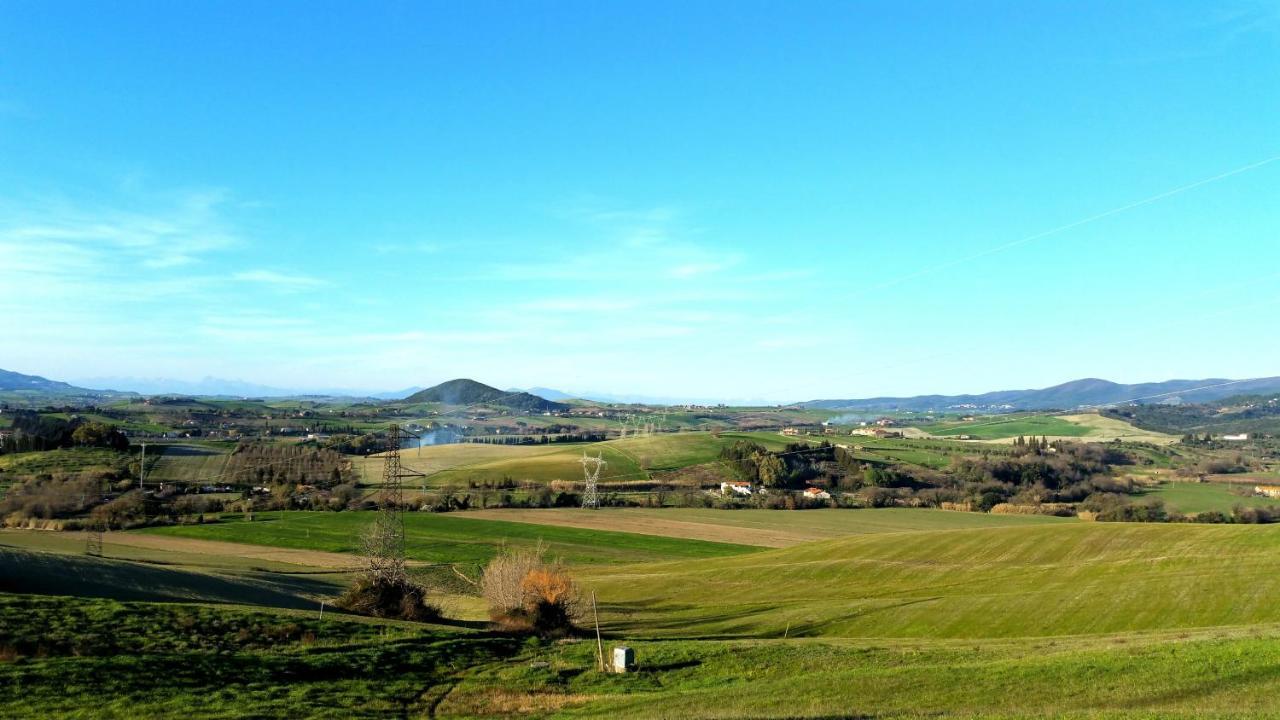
(740, 488)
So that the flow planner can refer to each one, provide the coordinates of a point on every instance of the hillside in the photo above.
(1239, 414)
(32, 390)
(469, 392)
(1047, 580)
(1069, 395)
(10, 380)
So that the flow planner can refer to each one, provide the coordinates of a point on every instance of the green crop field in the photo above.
(671, 451)
(1191, 498)
(628, 459)
(100, 658)
(450, 538)
(436, 458)
(563, 463)
(65, 460)
(767, 528)
(57, 573)
(188, 462)
(1009, 427)
(1059, 579)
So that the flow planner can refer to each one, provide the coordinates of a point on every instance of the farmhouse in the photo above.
(740, 488)
(791, 431)
(1272, 491)
(814, 493)
(877, 433)
(1237, 438)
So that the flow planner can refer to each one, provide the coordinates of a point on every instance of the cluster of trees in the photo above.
(33, 431)
(47, 498)
(585, 437)
(267, 464)
(1034, 472)
(366, 444)
(796, 465)
(1115, 507)
(1252, 413)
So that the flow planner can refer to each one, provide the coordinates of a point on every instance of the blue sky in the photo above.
(716, 200)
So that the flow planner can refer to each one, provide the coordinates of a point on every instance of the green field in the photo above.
(49, 573)
(188, 462)
(1009, 427)
(1051, 580)
(767, 528)
(449, 538)
(885, 613)
(104, 659)
(629, 460)
(64, 460)
(1191, 498)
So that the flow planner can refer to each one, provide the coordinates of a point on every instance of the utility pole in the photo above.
(384, 543)
(142, 469)
(591, 472)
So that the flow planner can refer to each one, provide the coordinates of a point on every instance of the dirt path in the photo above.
(311, 558)
(619, 520)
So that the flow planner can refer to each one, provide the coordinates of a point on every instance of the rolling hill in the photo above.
(469, 392)
(32, 389)
(1031, 581)
(1077, 393)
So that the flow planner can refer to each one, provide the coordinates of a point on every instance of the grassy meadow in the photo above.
(189, 462)
(1079, 426)
(764, 528)
(1191, 498)
(449, 538)
(629, 459)
(751, 613)
(1050, 580)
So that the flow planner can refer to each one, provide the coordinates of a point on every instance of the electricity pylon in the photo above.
(93, 540)
(384, 543)
(591, 471)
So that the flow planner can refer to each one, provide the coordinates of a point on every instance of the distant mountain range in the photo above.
(543, 392)
(15, 381)
(204, 386)
(469, 392)
(1089, 392)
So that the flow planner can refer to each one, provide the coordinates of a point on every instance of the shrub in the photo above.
(528, 595)
(403, 600)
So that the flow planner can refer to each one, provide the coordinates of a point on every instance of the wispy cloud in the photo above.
(54, 237)
(279, 280)
(689, 270)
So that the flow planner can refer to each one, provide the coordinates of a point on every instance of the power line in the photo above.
(1077, 223)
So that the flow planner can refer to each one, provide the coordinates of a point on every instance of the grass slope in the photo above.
(1192, 498)
(1000, 428)
(103, 659)
(183, 463)
(628, 459)
(1064, 579)
(63, 460)
(24, 571)
(1087, 427)
(451, 538)
(768, 528)
(94, 658)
